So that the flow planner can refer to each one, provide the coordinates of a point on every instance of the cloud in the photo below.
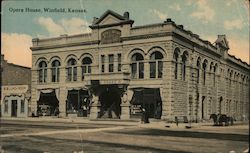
(204, 11)
(175, 7)
(159, 14)
(64, 26)
(15, 48)
(233, 24)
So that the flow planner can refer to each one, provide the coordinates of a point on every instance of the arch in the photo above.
(86, 60)
(176, 53)
(198, 63)
(71, 56)
(42, 64)
(86, 55)
(157, 49)
(156, 65)
(54, 58)
(204, 64)
(133, 51)
(41, 59)
(71, 62)
(156, 55)
(137, 57)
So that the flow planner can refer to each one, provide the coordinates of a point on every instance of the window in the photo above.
(198, 64)
(204, 65)
(176, 56)
(119, 62)
(71, 70)
(6, 106)
(42, 76)
(103, 63)
(156, 65)
(86, 66)
(55, 71)
(22, 106)
(111, 63)
(183, 67)
(137, 66)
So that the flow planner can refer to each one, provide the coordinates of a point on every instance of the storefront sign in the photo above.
(14, 89)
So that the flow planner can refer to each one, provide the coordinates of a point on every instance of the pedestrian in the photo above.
(176, 120)
(143, 115)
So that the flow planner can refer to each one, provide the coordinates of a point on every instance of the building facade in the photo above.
(15, 89)
(118, 68)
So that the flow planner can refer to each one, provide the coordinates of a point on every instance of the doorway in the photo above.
(14, 108)
(110, 103)
(48, 104)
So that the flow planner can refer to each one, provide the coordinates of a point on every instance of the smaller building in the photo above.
(15, 89)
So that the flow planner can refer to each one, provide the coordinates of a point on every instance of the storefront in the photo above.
(15, 102)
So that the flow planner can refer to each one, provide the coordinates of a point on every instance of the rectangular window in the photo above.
(22, 106)
(6, 106)
(45, 75)
(176, 70)
(102, 63)
(53, 75)
(40, 75)
(119, 62)
(141, 70)
(111, 63)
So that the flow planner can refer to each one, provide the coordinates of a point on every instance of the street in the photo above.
(121, 137)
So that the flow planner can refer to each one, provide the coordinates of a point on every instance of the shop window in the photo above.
(6, 106)
(55, 71)
(22, 106)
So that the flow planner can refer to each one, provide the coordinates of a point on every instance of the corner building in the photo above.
(119, 68)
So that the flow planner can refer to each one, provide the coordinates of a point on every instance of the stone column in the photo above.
(49, 75)
(95, 107)
(125, 111)
(79, 73)
(146, 70)
(63, 93)
(34, 80)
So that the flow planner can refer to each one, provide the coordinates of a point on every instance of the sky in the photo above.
(207, 18)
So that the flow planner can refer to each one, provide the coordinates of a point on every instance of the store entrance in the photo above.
(48, 104)
(14, 108)
(110, 103)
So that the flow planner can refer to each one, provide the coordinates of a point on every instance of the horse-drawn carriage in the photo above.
(222, 119)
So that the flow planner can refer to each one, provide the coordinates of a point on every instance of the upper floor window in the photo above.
(156, 65)
(198, 64)
(119, 62)
(111, 63)
(204, 66)
(137, 66)
(86, 66)
(176, 56)
(71, 70)
(55, 73)
(42, 76)
(103, 63)
(183, 67)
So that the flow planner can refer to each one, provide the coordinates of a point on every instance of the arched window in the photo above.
(55, 73)
(215, 69)
(183, 67)
(204, 66)
(137, 66)
(86, 66)
(198, 64)
(176, 56)
(42, 72)
(156, 65)
(71, 70)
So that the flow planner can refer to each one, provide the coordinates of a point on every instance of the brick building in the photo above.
(118, 68)
(15, 89)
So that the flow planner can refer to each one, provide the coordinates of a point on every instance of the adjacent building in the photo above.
(118, 69)
(15, 89)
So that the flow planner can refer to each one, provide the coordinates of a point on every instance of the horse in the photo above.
(215, 119)
(224, 118)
